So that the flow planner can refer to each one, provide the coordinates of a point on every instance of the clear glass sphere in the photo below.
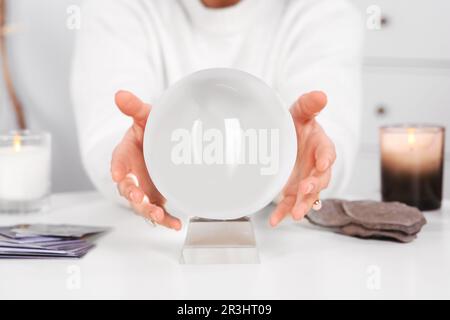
(219, 144)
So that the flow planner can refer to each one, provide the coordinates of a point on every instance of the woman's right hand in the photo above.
(128, 167)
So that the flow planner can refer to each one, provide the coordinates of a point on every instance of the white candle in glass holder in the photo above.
(24, 171)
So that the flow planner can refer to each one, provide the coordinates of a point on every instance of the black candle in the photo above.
(412, 159)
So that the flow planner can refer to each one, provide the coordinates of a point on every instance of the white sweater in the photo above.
(144, 46)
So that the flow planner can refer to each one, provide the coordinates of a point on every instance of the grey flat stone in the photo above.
(355, 230)
(331, 215)
(390, 216)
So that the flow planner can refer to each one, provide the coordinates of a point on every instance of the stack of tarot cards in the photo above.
(39, 241)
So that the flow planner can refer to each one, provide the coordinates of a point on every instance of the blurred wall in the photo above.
(40, 54)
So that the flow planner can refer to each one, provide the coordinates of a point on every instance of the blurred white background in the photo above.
(406, 78)
(40, 52)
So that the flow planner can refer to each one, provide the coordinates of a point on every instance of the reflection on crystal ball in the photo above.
(219, 144)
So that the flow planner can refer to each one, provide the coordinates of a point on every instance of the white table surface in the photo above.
(136, 261)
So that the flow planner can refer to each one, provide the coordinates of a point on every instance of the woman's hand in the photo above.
(315, 157)
(128, 167)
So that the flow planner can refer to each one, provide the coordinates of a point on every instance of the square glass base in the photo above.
(24, 206)
(220, 242)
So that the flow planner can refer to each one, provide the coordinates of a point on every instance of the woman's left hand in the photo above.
(315, 157)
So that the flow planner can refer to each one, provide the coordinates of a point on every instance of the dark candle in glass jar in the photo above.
(412, 159)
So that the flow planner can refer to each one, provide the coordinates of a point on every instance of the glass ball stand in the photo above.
(211, 241)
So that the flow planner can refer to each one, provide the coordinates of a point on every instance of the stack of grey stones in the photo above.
(370, 219)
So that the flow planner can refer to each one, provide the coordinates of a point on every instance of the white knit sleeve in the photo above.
(323, 52)
(113, 51)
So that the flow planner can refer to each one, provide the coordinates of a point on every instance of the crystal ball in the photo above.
(219, 144)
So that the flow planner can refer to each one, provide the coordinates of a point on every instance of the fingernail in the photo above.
(153, 215)
(133, 178)
(273, 222)
(116, 175)
(159, 214)
(297, 212)
(325, 164)
(298, 203)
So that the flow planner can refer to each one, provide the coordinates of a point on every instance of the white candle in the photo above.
(412, 150)
(24, 171)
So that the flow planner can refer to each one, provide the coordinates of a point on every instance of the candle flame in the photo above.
(9, 29)
(17, 143)
(411, 136)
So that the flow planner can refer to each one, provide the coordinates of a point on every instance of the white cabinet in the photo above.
(403, 96)
(406, 78)
(409, 29)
